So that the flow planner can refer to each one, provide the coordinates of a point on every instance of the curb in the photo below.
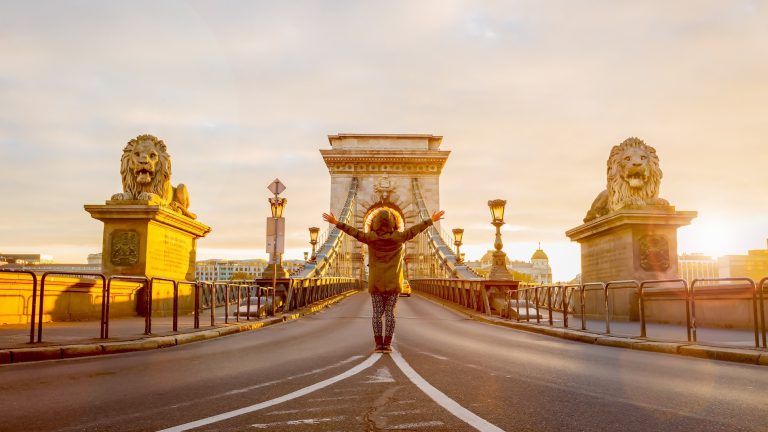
(25, 355)
(735, 355)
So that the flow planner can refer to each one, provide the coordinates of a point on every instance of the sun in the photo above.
(708, 234)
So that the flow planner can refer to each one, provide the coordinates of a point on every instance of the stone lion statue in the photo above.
(634, 177)
(146, 171)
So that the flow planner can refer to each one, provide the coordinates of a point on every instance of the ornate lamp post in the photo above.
(275, 238)
(458, 235)
(274, 271)
(313, 233)
(499, 267)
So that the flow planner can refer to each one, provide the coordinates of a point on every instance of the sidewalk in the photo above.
(735, 345)
(72, 339)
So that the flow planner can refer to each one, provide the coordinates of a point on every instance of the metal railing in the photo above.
(303, 292)
(107, 297)
(748, 281)
(300, 293)
(641, 293)
(33, 300)
(470, 293)
(62, 273)
(558, 299)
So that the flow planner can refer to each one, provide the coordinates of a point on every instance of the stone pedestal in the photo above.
(147, 240)
(629, 244)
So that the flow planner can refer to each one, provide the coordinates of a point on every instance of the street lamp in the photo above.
(458, 234)
(277, 205)
(499, 268)
(313, 232)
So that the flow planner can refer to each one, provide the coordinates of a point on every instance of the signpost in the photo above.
(276, 232)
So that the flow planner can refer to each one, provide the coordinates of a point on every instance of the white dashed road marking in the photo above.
(382, 375)
(259, 406)
(444, 401)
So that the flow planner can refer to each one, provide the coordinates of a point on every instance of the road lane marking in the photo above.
(439, 357)
(266, 404)
(416, 425)
(382, 375)
(312, 372)
(444, 401)
(313, 421)
(393, 413)
(334, 398)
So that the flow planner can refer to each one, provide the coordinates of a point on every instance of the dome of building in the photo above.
(539, 255)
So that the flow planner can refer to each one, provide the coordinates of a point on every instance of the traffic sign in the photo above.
(275, 235)
(276, 187)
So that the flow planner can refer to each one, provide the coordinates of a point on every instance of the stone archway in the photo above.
(386, 167)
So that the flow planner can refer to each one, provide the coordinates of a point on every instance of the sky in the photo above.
(529, 97)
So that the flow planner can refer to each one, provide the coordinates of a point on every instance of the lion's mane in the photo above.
(162, 177)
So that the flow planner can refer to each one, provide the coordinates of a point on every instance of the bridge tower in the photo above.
(390, 171)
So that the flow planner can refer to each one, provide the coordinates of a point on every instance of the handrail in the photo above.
(633, 282)
(106, 299)
(641, 294)
(42, 293)
(754, 302)
(196, 304)
(605, 303)
(34, 299)
(148, 318)
(762, 284)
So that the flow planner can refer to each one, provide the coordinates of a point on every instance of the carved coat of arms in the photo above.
(124, 248)
(384, 188)
(654, 253)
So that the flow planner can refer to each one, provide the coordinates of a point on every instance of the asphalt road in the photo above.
(448, 374)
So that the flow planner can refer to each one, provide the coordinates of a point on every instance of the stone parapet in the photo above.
(629, 244)
(141, 239)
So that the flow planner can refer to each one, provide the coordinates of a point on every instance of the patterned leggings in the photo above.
(384, 304)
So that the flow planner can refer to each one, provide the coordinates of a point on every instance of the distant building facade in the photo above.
(26, 258)
(538, 269)
(221, 269)
(753, 265)
(697, 266)
(94, 258)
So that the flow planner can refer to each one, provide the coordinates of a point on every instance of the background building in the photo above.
(26, 258)
(537, 270)
(697, 266)
(221, 269)
(754, 265)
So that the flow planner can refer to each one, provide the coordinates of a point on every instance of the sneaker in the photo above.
(387, 344)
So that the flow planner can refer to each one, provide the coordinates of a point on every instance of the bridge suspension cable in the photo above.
(332, 250)
(441, 254)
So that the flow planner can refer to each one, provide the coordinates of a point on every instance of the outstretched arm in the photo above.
(354, 232)
(330, 218)
(418, 228)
